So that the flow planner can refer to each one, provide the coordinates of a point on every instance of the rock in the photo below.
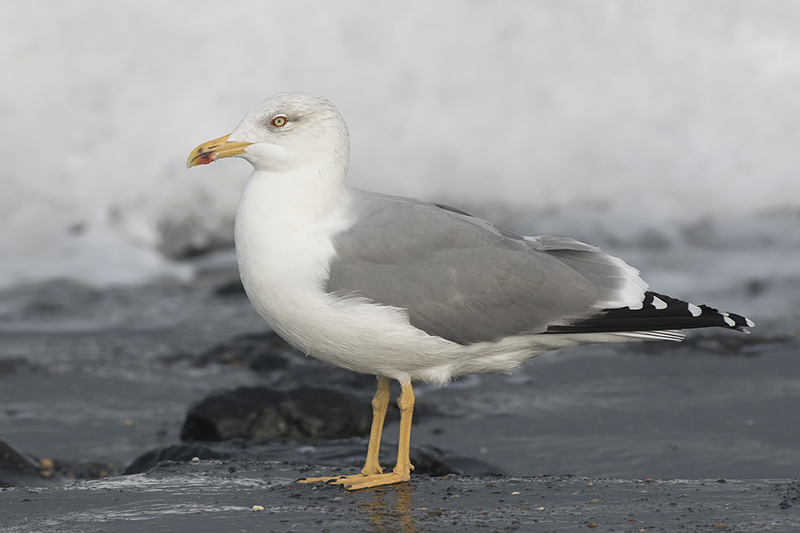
(82, 469)
(347, 454)
(18, 468)
(278, 362)
(180, 453)
(437, 463)
(18, 365)
(259, 412)
(231, 288)
(264, 351)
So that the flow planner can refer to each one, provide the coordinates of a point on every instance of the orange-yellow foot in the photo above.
(366, 471)
(376, 480)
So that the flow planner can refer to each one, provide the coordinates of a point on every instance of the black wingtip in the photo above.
(657, 312)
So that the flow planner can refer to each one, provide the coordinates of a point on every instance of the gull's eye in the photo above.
(279, 121)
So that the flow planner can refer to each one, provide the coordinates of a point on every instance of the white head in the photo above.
(285, 132)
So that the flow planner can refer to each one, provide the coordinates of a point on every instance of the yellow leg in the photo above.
(406, 404)
(380, 403)
(402, 471)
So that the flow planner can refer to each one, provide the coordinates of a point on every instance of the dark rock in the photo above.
(82, 470)
(242, 351)
(268, 411)
(277, 361)
(233, 288)
(269, 362)
(437, 463)
(17, 365)
(265, 350)
(259, 412)
(18, 468)
(180, 453)
(348, 454)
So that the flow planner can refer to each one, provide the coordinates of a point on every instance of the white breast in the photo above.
(283, 247)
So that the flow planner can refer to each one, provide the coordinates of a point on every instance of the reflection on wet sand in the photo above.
(389, 509)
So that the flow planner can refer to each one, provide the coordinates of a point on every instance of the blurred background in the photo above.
(666, 132)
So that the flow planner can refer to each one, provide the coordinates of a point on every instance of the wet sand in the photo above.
(262, 496)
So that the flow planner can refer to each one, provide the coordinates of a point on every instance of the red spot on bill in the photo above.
(205, 159)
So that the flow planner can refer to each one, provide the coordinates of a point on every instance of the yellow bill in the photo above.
(213, 150)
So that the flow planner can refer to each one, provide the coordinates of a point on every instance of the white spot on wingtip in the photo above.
(749, 323)
(658, 303)
(728, 320)
(694, 310)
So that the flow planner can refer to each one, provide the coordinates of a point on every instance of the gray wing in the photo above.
(468, 280)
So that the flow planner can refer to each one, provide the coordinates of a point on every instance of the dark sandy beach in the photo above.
(240, 495)
(696, 436)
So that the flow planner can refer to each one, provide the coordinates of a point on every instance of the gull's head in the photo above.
(285, 132)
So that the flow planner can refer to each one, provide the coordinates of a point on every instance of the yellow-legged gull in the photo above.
(410, 290)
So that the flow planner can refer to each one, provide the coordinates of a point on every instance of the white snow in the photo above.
(647, 116)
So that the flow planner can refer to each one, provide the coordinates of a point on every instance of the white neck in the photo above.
(283, 232)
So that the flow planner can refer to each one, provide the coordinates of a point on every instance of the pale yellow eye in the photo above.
(278, 121)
